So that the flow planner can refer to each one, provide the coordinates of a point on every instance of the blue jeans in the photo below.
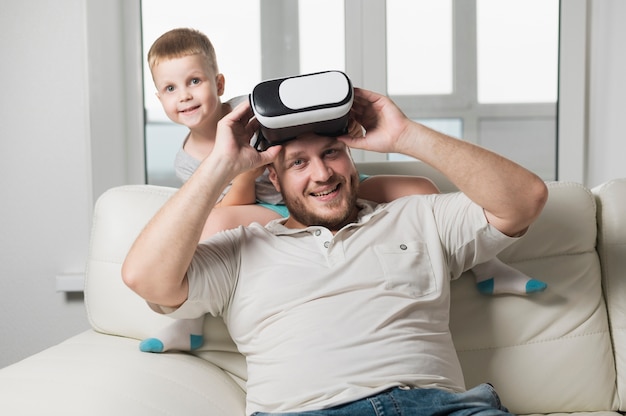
(481, 400)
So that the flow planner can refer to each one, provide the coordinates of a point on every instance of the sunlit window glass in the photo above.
(419, 47)
(322, 35)
(232, 26)
(517, 43)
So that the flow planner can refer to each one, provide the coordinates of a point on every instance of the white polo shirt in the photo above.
(326, 319)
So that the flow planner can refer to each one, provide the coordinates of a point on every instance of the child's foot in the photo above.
(495, 278)
(180, 335)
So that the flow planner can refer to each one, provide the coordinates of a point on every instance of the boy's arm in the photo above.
(386, 188)
(242, 190)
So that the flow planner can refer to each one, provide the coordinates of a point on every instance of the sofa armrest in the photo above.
(611, 202)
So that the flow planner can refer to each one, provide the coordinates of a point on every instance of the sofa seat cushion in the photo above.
(97, 374)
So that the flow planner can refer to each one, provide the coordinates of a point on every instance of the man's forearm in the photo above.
(156, 264)
(511, 195)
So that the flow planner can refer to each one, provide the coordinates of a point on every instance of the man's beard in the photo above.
(299, 211)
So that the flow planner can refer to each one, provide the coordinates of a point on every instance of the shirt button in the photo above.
(318, 232)
(402, 246)
(326, 244)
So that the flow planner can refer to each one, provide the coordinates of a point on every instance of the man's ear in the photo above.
(220, 81)
(273, 176)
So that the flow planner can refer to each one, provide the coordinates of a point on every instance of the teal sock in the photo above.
(196, 341)
(151, 345)
(180, 335)
(495, 278)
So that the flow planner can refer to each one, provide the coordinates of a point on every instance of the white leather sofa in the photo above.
(556, 352)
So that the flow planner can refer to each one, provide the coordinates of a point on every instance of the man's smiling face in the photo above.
(318, 180)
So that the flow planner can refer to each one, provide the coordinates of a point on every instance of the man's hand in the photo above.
(385, 124)
(232, 144)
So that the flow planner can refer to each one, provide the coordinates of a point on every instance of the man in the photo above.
(343, 306)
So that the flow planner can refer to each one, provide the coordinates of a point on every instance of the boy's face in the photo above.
(318, 180)
(189, 90)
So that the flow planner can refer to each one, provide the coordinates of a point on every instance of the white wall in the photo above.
(54, 114)
(44, 172)
(65, 138)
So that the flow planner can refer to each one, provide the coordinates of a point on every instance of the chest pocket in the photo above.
(407, 267)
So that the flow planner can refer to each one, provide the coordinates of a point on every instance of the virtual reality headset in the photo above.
(312, 103)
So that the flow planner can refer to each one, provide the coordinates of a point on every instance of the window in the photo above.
(482, 70)
(322, 35)
(419, 47)
(516, 50)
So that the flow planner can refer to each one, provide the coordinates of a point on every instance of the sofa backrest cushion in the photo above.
(550, 351)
